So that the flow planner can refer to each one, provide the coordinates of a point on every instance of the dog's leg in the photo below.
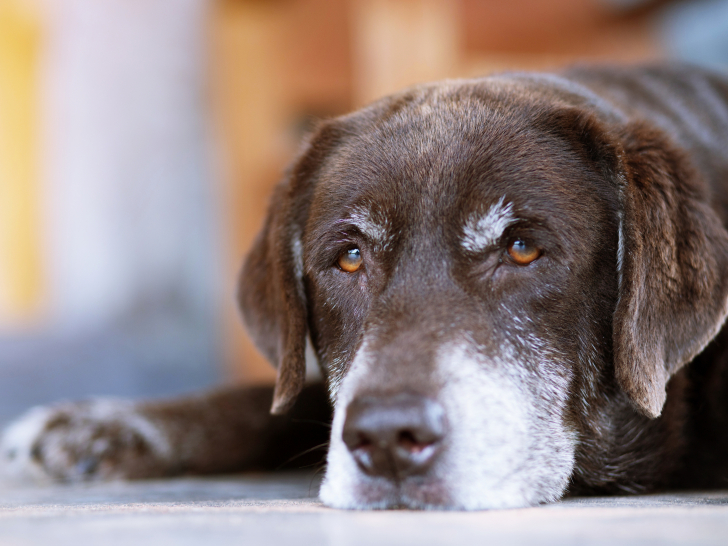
(221, 431)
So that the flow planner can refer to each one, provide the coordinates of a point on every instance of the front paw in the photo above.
(102, 439)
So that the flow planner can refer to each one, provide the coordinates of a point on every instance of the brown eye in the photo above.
(523, 253)
(350, 260)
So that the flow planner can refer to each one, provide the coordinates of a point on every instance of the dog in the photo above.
(503, 281)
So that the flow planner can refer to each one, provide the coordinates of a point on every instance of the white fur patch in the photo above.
(504, 449)
(297, 251)
(482, 232)
(376, 231)
(16, 443)
(339, 487)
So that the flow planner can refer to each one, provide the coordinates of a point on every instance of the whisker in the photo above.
(309, 450)
(312, 422)
(310, 484)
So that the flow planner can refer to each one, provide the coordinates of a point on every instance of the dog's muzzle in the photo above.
(395, 436)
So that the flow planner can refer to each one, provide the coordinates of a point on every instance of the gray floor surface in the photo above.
(282, 509)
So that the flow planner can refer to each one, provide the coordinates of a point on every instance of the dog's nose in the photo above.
(394, 436)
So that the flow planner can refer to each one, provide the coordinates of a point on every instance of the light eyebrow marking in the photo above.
(377, 232)
(481, 232)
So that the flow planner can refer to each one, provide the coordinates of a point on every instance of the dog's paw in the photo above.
(102, 439)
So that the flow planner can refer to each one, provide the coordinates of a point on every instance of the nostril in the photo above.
(362, 449)
(408, 441)
(356, 439)
(362, 442)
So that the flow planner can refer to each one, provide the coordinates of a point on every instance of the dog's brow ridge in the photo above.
(376, 231)
(483, 231)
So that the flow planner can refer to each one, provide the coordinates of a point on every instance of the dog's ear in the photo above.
(270, 291)
(672, 267)
(672, 261)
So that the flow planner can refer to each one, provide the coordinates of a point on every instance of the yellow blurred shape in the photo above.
(20, 262)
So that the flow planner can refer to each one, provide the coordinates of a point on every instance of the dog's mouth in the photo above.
(409, 493)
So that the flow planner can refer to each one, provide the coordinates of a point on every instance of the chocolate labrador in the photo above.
(514, 287)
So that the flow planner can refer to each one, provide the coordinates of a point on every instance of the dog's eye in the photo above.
(522, 252)
(350, 260)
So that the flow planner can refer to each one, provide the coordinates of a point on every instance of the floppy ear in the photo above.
(270, 291)
(672, 264)
(271, 299)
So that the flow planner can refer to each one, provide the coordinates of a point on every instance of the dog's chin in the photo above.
(415, 494)
(381, 494)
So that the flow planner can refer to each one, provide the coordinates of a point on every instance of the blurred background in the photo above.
(140, 139)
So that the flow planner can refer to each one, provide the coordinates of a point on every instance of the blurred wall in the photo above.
(127, 185)
(109, 252)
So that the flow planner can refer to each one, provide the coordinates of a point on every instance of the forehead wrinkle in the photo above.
(483, 231)
(376, 231)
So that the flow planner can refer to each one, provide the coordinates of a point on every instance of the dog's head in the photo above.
(487, 270)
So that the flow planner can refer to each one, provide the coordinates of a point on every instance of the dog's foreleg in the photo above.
(220, 431)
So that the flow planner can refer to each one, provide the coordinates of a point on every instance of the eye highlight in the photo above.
(350, 261)
(522, 252)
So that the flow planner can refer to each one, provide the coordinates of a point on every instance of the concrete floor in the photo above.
(282, 509)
